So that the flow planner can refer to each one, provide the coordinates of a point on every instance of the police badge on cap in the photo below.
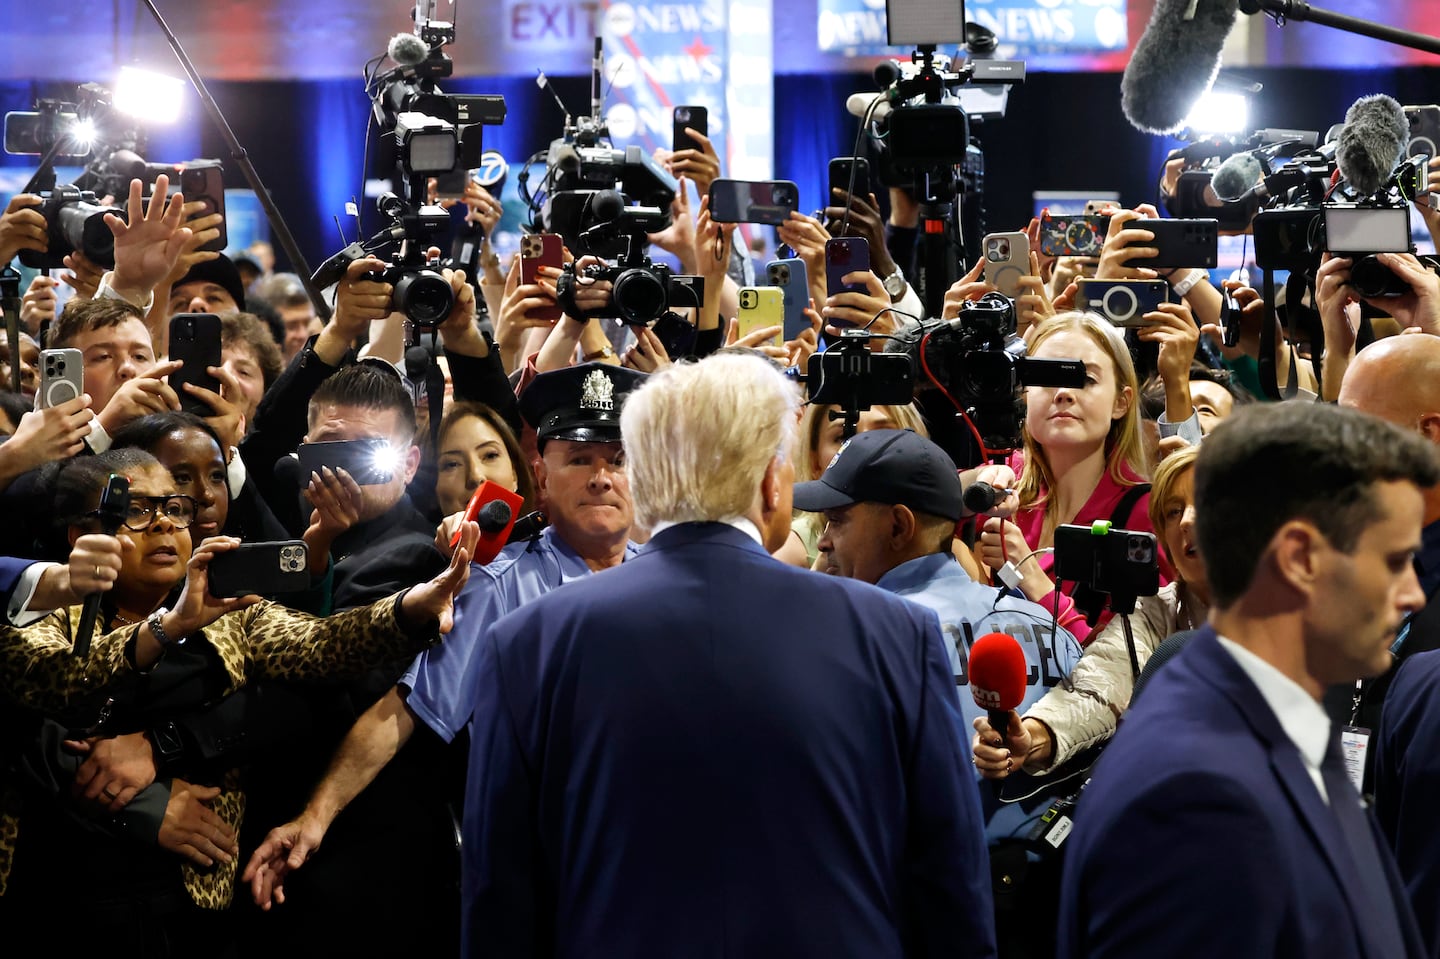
(579, 403)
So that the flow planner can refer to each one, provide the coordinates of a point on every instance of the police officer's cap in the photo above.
(579, 403)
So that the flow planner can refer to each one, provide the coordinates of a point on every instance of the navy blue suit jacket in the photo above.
(1407, 785)
(10, 569)
(1202, 834)
(707, 753)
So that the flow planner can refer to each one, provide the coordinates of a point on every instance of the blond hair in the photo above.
(699, 437)
(1124, 446)
(815, 418)
(1170, 470)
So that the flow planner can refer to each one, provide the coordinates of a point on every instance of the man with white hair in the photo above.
(705, 752)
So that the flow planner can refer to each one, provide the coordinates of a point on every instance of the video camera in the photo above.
(641, 291)
(1198, 195)
(434, 134)
(979, 359)
(91, 129)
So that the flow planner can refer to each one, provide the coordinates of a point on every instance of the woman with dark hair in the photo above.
(476, 444)
(193, 453)
(152, 855)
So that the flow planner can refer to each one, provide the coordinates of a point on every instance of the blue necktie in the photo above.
(1367, 885)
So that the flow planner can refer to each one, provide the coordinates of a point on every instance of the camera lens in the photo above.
(425, 297)
(639, 296)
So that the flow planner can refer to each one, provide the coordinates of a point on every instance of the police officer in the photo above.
(583, 490)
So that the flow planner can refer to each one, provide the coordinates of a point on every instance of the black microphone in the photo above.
(1371, 143)
(1175, 62)
(114, 505)
(529, 526)
(982, 497)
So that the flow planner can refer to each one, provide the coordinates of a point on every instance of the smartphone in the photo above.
(761, 306)
(675, 333)
(1121, 562)
(845, 254)
(792, 280)
(1123, 302)
(265, 569)
(62, 377)
(753, 201)
(1096, 207)
(1007, 259)
(1073, 235)
(697, 119)
(537, 250)
(195, 339)
(1180, 243)
(371, 462)
(451, 186)
(841, 169)
(1424, 130)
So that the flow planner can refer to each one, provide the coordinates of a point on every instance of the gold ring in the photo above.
(97, 572)
(110, 795)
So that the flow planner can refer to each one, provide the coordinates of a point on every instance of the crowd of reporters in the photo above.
(173, 788)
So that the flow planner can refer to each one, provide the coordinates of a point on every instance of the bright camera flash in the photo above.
(149, 96)
(1218, 112)
(386, 460)
(82, 135)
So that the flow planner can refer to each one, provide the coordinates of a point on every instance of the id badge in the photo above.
(1354, 744)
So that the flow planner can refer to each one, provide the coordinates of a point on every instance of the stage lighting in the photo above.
(152, 97)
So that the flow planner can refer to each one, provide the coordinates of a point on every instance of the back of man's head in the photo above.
(1271, 463)
(81, 316)
(699, 437)
(366, 386)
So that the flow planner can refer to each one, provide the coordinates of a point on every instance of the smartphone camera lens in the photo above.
(747, 299)
(682, 114)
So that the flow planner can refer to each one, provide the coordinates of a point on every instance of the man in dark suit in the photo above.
(1398, 380)
(1221, 820)
(704, 752)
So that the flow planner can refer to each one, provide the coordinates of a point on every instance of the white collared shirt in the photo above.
(1303, 719)
(741, 523)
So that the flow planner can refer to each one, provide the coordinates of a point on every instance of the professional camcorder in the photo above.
(979, 360)
(434, 135)
(89, 128)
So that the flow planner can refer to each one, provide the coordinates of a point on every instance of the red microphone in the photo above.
(998, 675)
(495, 509)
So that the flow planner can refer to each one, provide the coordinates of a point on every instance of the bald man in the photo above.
(1398, 380)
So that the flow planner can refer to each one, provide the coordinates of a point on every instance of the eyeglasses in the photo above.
(144, 510)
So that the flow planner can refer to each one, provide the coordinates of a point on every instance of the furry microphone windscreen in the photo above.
(1375, 135)
(1237, 176)
(1175, 62)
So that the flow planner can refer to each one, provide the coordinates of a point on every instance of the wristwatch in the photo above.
(157, 630)
(895, 284)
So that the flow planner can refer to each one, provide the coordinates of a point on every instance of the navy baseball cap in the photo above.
(580, 403)
(886, 466)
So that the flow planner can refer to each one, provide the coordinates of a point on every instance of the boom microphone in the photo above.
(1175, 62)
(998, 676)
(1237, 176)
(1372, 142)
(407, 49)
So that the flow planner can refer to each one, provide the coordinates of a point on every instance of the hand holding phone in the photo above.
(62, 377)
(761, 307)
(195, 340)
(263, 569)
(537, 250)
(843, 255)
(370, 462)
(1007, 259)
(695, 118)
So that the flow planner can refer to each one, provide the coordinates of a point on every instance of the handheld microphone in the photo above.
(494, 508)
(1175, 62)
(114, 504)
(982, 497)
(998, 677)
(1371, 143)
(407, 49)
